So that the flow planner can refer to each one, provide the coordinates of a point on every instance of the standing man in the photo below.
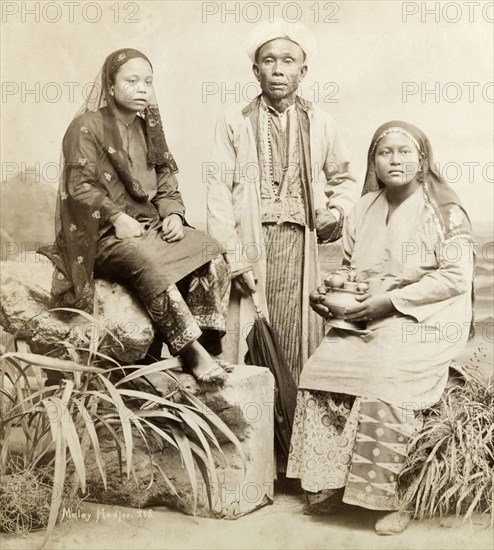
(279, 183)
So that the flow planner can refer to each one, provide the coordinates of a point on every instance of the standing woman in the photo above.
(361, 395)
(120, 213)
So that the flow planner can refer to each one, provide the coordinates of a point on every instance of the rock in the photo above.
(245, 404)
(25, 298)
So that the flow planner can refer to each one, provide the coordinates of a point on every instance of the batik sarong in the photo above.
(194, 308)
(352, 442)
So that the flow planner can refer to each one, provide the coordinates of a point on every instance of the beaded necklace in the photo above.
(278, 185)
(289, 139)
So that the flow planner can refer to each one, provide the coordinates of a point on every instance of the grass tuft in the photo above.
(450, 465)
(25, 495)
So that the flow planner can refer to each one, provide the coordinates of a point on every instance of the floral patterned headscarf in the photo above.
(100, 96)
(77, 226)
(450, 217)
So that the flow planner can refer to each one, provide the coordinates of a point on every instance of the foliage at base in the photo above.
(97, 399)
(25, 497)
(450, 465)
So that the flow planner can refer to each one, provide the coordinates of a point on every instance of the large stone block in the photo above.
(25, 298)
(245, 404)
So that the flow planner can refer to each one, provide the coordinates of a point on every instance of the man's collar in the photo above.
(270, 109)
(256, 102)
(304, 104)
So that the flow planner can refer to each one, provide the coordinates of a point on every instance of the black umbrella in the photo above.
(265, 351)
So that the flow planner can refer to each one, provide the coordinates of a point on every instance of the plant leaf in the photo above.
(186, 455)
(214, 419)
(189, 419)
(58, 480)
(160, 432)
(89, 423)
(125, 415)
(159, 366)
(51, 362)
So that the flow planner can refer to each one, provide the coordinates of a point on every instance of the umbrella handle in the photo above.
(257, 306)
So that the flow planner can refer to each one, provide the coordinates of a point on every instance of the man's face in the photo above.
(279, 68)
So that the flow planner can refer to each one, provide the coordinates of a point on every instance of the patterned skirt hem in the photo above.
(371, 502)
(185, 338)
(213, 321)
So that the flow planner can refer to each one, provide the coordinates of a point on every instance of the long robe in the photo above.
(234, 211)
(404, 358)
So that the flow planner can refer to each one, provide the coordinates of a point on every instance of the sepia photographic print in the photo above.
(246, 274)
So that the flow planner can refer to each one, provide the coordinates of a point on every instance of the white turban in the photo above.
(266, 31)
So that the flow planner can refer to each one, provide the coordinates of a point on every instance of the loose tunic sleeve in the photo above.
(402, 359)
(82, 150)
(436, 289)
(340, 184)
(348, 238)
(168, 199)
(221, 215)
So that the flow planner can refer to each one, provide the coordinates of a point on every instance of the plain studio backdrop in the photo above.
(429, 63)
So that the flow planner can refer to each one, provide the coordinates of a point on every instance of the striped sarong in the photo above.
(284, 245)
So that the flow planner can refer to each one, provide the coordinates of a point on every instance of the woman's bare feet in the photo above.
(202, 366)
(327, 503)
(393, 523)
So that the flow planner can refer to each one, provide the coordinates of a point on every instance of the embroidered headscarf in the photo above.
(100, 96)
(449, 216)
(78, 223)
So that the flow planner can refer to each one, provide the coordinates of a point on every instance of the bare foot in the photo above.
(328, 503)
(202, 366)
(393, 523)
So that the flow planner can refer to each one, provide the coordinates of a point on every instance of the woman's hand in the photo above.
(372, 306)
(173, 228)
(315, 300)
(127, 227)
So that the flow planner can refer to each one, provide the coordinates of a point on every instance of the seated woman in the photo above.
(361, 394)
(120, 214)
